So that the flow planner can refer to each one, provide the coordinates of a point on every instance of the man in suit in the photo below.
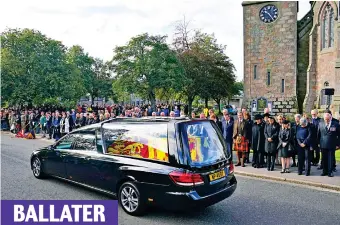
(329, 139)
(333, 121)
(315, 121)
(227, 130)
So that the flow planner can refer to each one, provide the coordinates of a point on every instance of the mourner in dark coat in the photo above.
(257, 142)
(303, 138)
(315, 121)
(286, 145)
(49, 125)
(56, 126)
(294, 126)
(227, 130)
(271, 133)
(249, 122)
(329, 139)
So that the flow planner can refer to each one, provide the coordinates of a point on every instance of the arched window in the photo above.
(328, 27)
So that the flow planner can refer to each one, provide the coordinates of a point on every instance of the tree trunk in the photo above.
(206, 102)
(92, 99)
(190, 100)
(218, 101)
(152, 98)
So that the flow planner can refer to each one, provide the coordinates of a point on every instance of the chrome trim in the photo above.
(177, 193)
(85, 185)
(194, 195)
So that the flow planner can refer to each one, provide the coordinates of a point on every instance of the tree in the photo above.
(34, 69)
(236, 89)
(219, 71)
(146, 64)
(102, 80)
(209, 73)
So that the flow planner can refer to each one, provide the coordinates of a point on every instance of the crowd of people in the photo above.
(300, 143)
(56, 122)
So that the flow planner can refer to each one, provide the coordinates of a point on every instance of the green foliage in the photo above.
(38, 70)
(34, 68)
(208, 71)
(144, 65)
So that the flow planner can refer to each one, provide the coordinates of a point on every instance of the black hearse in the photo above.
(174, 163)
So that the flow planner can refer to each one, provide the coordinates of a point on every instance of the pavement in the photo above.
(315, 179)
(255, 201)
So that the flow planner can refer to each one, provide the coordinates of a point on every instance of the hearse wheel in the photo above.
(37, 169)
(130, 200)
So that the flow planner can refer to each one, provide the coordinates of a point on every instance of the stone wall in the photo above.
(272, 47)
(326, 58)
(304, 27)
(324, 64)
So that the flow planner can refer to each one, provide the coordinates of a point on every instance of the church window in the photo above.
(268, 78)
(255, 71)
(328, 27)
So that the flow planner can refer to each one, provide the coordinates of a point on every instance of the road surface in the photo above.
(254, 202)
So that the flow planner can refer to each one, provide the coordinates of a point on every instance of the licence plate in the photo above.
(217, 175)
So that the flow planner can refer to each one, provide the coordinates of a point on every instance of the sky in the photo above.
(100, 25)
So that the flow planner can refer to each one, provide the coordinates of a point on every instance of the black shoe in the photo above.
(268, 169)
(334, 170)
(283, 171)
(323, 174)
(272, 169)
(307, 174)
(238, 164)
(300, 173)
(331, 175)
(287, 171)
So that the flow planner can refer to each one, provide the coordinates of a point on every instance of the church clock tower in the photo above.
(270, 55)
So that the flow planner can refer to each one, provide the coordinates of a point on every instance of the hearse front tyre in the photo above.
(130, 199)
(37, 168)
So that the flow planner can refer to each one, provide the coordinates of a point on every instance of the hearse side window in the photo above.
(85, 142)
(66, 142)
(147, 141)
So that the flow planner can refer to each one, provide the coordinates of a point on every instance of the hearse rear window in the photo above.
(147, 141)
(202, 142)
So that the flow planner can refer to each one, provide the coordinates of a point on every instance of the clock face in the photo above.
(269, 13)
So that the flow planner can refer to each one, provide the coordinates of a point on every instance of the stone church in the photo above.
(288, 63)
